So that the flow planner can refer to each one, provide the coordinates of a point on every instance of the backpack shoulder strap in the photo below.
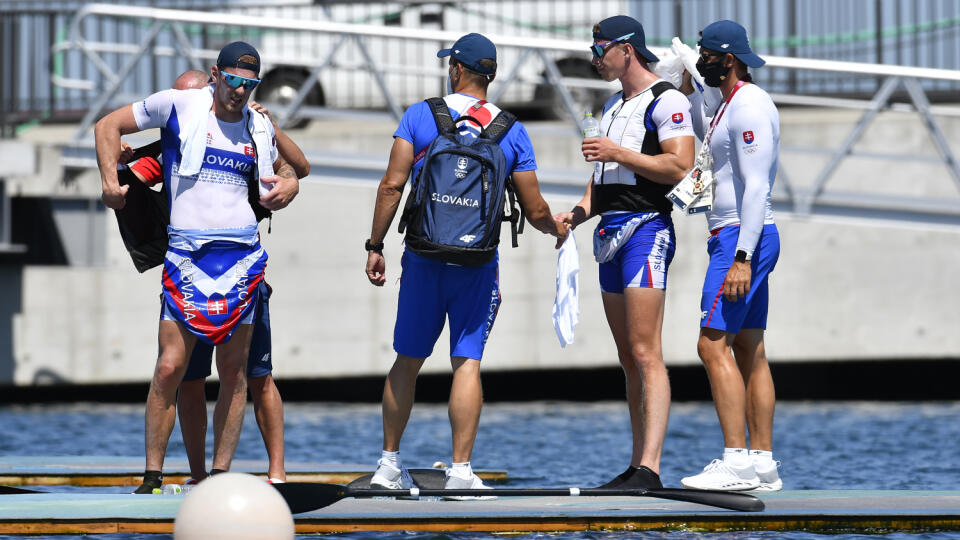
(499, 126)
(441, 114)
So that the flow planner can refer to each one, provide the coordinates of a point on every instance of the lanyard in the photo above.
(716, 119)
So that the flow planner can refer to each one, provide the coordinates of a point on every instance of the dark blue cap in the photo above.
(471, 49)
(621, 25)
(729, 37)
(232, 56)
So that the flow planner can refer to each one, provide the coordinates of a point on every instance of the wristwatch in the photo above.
(741, 256)
(378, 247)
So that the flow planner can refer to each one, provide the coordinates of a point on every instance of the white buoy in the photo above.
(233, 506)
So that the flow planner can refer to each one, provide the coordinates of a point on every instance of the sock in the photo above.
(762, 459)
(393, 458)
(153, 478)
(737, 457)
(463, 470)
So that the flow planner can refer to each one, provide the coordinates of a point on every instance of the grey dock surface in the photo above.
(100, 471)
(821, 511)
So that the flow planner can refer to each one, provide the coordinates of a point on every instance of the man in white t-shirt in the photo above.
(644, 148)
(220, 162)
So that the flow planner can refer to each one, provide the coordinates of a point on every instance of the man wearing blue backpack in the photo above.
(469, 160)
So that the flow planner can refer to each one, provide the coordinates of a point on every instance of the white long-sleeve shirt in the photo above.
(745, 147)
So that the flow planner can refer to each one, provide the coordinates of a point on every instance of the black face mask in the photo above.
(713, 73)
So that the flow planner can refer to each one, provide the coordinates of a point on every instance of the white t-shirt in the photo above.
(216, 197)
(623, 123)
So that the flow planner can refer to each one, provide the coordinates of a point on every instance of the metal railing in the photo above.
(545, 51)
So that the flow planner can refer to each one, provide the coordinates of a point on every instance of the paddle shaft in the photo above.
(305, 496)
(723, 499)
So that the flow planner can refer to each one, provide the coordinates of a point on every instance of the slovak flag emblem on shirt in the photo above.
(748, 137)
(247, 150)
(216, 307)
(677, 117)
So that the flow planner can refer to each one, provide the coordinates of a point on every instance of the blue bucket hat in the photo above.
(470, 50)
(729, 37)
(231, 54)
(617, 27)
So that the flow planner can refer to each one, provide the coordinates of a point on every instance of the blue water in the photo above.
(821, 446)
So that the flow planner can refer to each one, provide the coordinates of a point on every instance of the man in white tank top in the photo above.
(744, 247)
(645, 147)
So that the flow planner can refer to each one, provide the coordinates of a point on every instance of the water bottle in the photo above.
(591, 128)
(173, 489)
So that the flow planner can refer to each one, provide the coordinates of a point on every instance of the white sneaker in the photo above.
(769, 478)
(471, 482)
(722, 476)
(390, 477)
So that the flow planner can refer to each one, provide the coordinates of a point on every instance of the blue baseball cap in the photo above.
(470, 50)
(617, 27)
(233, 56)
(729, 37)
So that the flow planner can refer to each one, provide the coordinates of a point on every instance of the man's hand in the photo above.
(115, 198)
(600, 149)
(261, 109)
(126, 153)
(376, 268)
(737, 283)
(562, 231)
(283, 190)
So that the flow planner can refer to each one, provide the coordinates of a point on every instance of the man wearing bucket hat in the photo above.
(743, 138)
(646, 146)
(432, 290)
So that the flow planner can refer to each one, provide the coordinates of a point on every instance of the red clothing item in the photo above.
(148, 169)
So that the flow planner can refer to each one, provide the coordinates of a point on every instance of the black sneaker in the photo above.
(642, 478)
(152, 480)
(619, 480)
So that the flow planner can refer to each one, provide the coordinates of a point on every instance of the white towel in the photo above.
(566, 307)
(711, 96)
(193, 137)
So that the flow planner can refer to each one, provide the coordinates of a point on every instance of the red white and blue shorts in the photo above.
(643, 260)
(748, 312)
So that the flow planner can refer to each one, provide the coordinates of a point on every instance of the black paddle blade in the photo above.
(721, 499)
(424, 478)
(10, 490)
(308, 496)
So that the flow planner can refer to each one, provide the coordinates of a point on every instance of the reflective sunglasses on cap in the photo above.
(598, 49)
(236, 81)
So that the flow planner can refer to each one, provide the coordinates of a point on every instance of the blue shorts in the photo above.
(431, 291)
(749, 312)
(259, 363)
(644, 259)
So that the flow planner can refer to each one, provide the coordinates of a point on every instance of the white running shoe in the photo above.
(390, 477)
(721, 476)
(471, 482)
(769, 478)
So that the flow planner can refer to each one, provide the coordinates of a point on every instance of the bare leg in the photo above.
(192, 410)
(761, 397)
(228, 414)
(398, 394)
(268, 408)
(466, 401)
(726, 384)
(161, 415)
(636, 321)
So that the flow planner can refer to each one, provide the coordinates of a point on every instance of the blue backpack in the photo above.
(461, 194)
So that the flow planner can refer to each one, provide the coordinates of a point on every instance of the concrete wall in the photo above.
(843, 289)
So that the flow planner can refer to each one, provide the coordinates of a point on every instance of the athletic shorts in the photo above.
(643, 260)
(432, 291)
(212, 289)
(749, 312)
(259, 363)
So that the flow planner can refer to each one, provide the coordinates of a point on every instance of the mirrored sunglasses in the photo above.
(598, 49)
(236, 81)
